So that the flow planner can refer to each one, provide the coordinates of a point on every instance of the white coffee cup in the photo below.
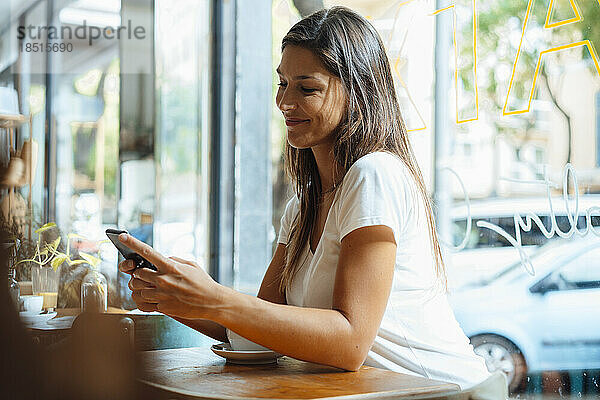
(240, 343)
(32, 304)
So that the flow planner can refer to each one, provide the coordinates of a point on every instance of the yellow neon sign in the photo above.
(475, 85)
(576, 18)
(397, 67)
(585, 43)
(410, 98)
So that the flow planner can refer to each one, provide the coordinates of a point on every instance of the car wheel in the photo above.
(501, 354)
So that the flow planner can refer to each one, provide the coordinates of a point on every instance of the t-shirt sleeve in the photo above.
(376, 191)
(291, 209)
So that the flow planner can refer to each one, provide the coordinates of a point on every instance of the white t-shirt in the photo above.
(419, 334)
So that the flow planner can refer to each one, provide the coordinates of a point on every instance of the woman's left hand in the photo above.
(181, 288)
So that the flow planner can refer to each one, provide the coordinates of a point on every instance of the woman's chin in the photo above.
(297, 142)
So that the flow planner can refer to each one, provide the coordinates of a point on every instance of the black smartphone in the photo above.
(126, 252)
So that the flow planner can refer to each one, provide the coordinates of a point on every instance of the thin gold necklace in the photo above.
(324, 194)
(331, 189)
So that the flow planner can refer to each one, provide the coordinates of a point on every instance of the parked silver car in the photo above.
(482, 243)
(549, 321)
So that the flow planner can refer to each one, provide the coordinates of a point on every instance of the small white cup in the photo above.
(32, 304)
(240, 343)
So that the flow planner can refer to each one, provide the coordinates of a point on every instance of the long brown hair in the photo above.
(350, 48)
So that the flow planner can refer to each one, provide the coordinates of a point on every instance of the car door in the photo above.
(569, 314)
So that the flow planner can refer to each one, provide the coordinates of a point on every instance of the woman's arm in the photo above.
(269, 288)
(339, 337)
(206, 327)
(269, 291)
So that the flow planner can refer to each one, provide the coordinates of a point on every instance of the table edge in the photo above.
(392, 394)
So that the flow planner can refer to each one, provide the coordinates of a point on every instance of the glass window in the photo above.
(182, 48)
(24, 72)
(521, 82)
(584, 271)
(86, 119)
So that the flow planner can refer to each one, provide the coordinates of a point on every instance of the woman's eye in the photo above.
(305, 90)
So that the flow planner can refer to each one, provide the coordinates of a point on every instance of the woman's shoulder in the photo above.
(378, 157)
(376, 190)
(380, 175)
(291, 208)
(378, 164)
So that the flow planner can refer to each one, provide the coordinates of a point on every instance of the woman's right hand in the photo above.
(136, 285)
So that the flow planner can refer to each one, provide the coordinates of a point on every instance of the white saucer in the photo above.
(244, 357)
(32, 319)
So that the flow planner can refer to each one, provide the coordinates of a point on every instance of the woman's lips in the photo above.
(294, 122)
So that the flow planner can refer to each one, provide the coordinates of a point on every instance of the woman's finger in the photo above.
(146, 275)
(147, 307)
(153, 295)
(167, 307)
(127, 266)
(136, 295)
(137, 284)
(161, 262)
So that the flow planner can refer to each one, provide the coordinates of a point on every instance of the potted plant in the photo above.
(47, 260)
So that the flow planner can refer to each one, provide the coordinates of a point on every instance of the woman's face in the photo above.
(311, 99)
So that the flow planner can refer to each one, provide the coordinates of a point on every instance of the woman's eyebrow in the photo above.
(300, 77)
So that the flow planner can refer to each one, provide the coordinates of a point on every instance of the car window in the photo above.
(583, 271)
(483, 237)
(486, 238)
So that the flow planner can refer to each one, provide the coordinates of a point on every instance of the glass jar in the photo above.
(10, 250)
(14, 291)
(94, 292)
(44, 281)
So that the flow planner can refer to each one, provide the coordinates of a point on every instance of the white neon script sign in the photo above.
(530, 217)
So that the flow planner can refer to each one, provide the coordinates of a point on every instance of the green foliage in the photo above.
(589, 28)
(500, 24)
(15, 232)
(48, 252)
(45, 227)
(179, 128)
(111, 126)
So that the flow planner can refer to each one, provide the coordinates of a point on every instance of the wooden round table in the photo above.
(199, 374)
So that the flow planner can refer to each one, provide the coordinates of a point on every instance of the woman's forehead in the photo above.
(300, 63)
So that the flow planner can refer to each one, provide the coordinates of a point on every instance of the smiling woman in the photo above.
(309, 97)
(357, 276)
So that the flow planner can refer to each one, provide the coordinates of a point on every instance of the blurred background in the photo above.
(174, 135)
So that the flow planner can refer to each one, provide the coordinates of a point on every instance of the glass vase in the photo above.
(44, 281)
(94, 292)
(14, 291)
(10, 250)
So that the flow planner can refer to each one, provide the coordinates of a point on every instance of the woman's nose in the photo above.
(286, 101)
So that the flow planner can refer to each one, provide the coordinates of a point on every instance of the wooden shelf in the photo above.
(11, 121)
